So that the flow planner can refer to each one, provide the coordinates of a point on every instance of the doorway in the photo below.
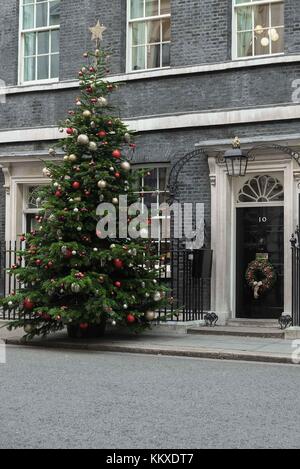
(260, 235)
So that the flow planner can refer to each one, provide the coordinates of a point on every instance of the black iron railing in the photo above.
(185, 273)
(187, 277)
(295, 242)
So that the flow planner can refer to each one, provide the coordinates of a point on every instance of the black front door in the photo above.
(259, 230)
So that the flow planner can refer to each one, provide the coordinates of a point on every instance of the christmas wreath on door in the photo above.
(261, 277)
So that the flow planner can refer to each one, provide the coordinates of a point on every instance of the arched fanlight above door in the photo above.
(261, 189)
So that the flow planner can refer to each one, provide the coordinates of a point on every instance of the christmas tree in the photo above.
(69, 274)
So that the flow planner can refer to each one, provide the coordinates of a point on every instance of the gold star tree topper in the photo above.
(97, 32)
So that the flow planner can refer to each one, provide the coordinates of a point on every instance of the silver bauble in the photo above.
(75, 287)
(127, 138)
(115, 201)
(73, 158)
(83, 139)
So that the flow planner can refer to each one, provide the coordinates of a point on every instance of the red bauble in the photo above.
(22, 238)
(101, 134)
(50, 265)
(110, 123)
(110, 87)
(92, 70)
(58, 194)
(117, 175)
(93, 100)
(118, 284)
(84, 326)
(28, 304)
(68, 254)
(87, 193)
(130, 318)
(76, 185)
(89, 89)
(118, 263)
(116, 154)
(70, 131)
(38, 262)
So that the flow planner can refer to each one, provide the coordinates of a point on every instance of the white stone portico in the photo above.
(224, 192)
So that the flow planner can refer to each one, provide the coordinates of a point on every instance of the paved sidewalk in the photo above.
(171, 344)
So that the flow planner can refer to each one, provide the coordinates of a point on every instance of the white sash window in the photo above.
(149, 34)
(258, 28)
(39, 40)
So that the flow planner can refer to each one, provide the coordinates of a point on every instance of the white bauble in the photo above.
(95, 249)
(87, 114)
(51, 151)
(46, 172)
(125, 166)
(73, 158)
(102, 102)
(157, 296)
(93, 146)
(66, 158)
(112, 246)
(79, 228)
(76, 210)
(83, 139)
(102, 184)
(115, 201)
(10, 304)
(74, 253)
(150, 315)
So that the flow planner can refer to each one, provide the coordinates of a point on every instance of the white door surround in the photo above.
(224, 192)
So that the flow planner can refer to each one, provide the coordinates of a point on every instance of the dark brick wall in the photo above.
(241, 88)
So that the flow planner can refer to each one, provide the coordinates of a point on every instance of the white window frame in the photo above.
(22, 32)
(26, 210)
(130, 22)
(234, 28)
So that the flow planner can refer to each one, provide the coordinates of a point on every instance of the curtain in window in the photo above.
(137, 9)
(244, 28)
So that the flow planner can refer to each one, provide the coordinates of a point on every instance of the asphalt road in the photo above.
(59, 399)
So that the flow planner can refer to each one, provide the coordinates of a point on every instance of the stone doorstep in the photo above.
(264, 333)
(159, 351)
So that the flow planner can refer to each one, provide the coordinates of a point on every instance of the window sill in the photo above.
(161, 73)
